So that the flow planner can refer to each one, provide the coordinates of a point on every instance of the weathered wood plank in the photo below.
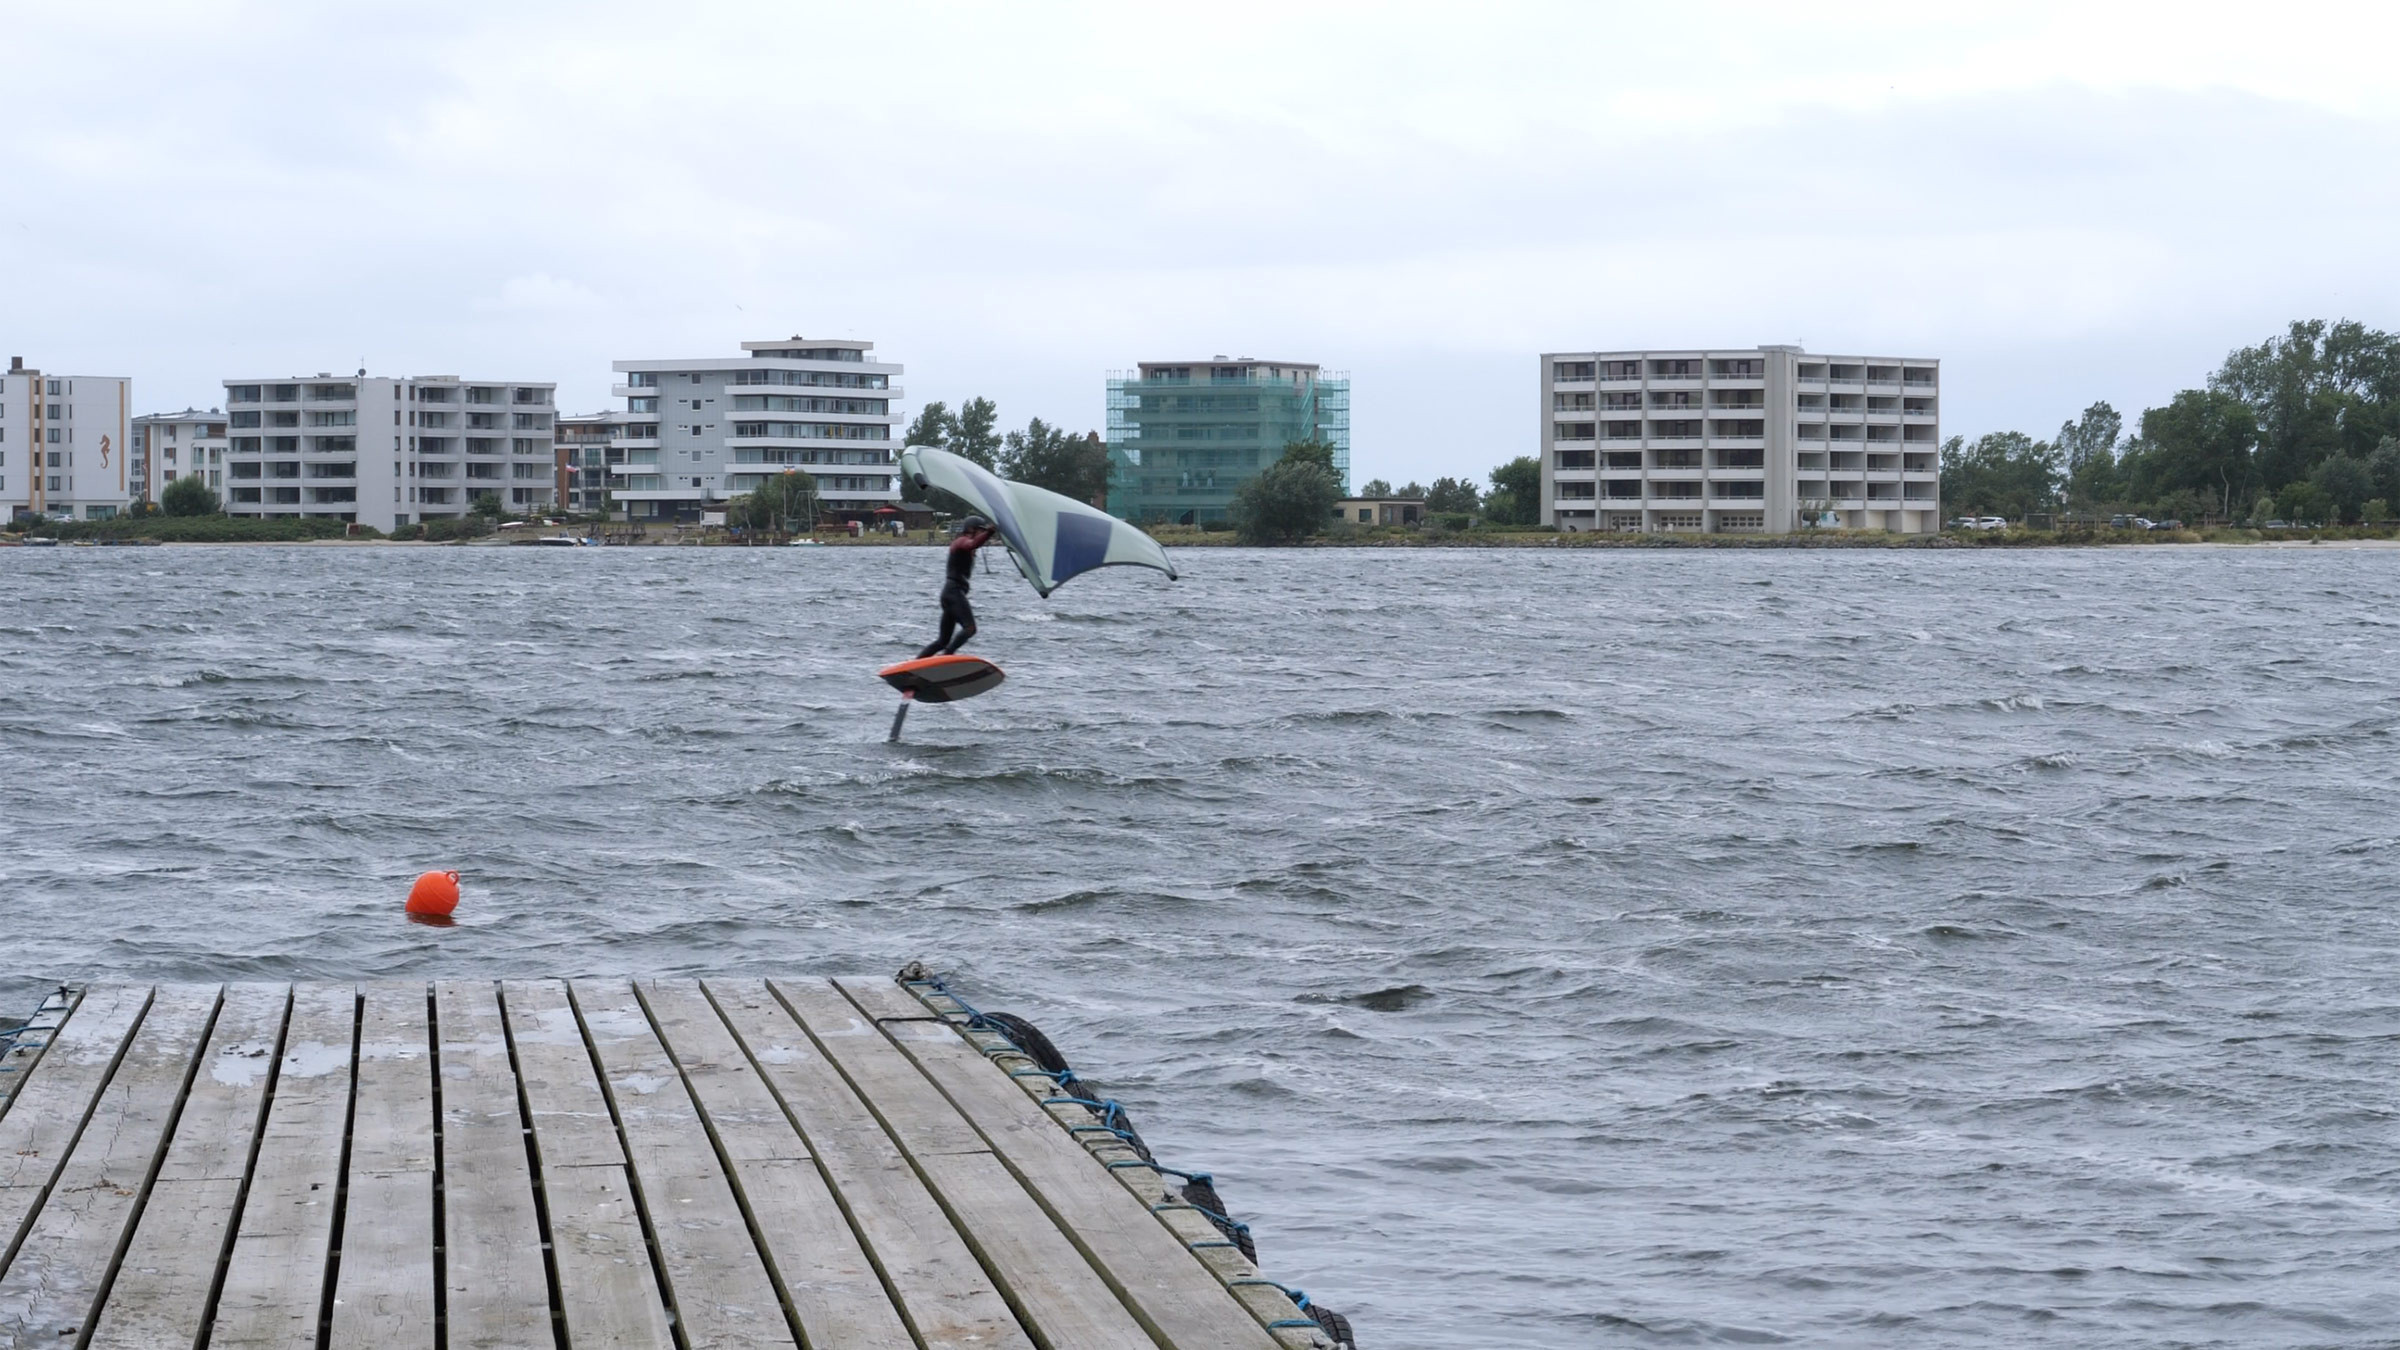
(571, 1123)
(498, 1288)
(161, 1292)
(274, 1283)
(816, 1261)
(49, 1109)
(1169, 1289)
(608, 1287)
(1265, 1300)
(53, 1287)
(383, 1292)
(719, 1283)
(945, 1294)
(608, 1290)
(20, 1051)
(1046, 1279)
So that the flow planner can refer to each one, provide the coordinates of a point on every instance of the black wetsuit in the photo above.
(958, 617)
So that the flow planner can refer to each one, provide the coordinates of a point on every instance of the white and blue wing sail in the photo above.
(1051, 537)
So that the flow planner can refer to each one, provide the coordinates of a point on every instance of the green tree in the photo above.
(2003, 473)
(2264, 511)
(1516, 492)
(2385, 465)
(1376, 487)
(2347, 484)
(1452, 496)
(486, 504)
(2319, 390)
(2202, 441)
(1415, 491)
(2303, 503)
(1291, 500)
(1319, 453)
(188, 496)
(785, 502)
(975, 432)
(933, 426)
(2377, 511)
(1054, 458)
(2092, 436)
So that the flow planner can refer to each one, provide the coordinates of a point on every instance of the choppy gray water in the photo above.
(1575, 949)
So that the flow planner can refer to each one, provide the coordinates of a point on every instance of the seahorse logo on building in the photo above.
(104, 452)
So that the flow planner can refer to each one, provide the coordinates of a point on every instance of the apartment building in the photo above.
(321, 446)
(699, 432)
(1183, 436)
(1762, 440)
(64, 444)
(586, 448)
(168, 446)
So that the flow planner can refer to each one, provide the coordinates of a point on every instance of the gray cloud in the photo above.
(1014, 199)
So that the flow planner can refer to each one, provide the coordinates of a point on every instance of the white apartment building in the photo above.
(386, 451)
(696, 433)
(1755, 440)
(168, 446)
(64, 444)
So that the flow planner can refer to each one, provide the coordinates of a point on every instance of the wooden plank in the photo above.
(608, 1290)
(714, 1273)
(383, 1291)
(1046, 1280)
(497, 1285)
(1173, 1294)
(26, 1043)
(162, 1288)
(607, 1286)
(571, 1123)
(1265, 1299)
(945, 1295)
(275, 1281)
(53, 1287)
(815, 1260)
(49, 1109)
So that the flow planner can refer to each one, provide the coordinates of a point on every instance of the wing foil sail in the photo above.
(1052, 538)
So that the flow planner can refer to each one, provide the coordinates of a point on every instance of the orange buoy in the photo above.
(434, 893)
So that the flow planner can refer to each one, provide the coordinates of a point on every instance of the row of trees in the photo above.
(1046, 456)
(1295, 496)
(1515, 497)
(2304, 427)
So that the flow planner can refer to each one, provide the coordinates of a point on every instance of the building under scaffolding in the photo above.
(1183, 435)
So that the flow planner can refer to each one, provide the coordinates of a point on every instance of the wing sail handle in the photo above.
(1052, 538)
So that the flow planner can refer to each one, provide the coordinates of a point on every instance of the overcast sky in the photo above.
(2063, 203)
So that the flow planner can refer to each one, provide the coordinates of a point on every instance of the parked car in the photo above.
(2120, 522)
(2275, 525)
(2163, 525)
(1990, 523)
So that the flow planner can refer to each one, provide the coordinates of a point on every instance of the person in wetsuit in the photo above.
(958, 617)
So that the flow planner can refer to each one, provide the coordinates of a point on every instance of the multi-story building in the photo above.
(698, 432)
(1757, 440)
(64, 444)
(1183, 435)
(316, 446)
(168, 446)
(585, 450)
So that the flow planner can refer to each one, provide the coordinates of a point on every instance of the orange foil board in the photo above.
(942, 679)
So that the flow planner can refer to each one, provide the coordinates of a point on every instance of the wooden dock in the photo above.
(555, 1164)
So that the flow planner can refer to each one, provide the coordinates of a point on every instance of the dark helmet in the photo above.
(973, 523)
